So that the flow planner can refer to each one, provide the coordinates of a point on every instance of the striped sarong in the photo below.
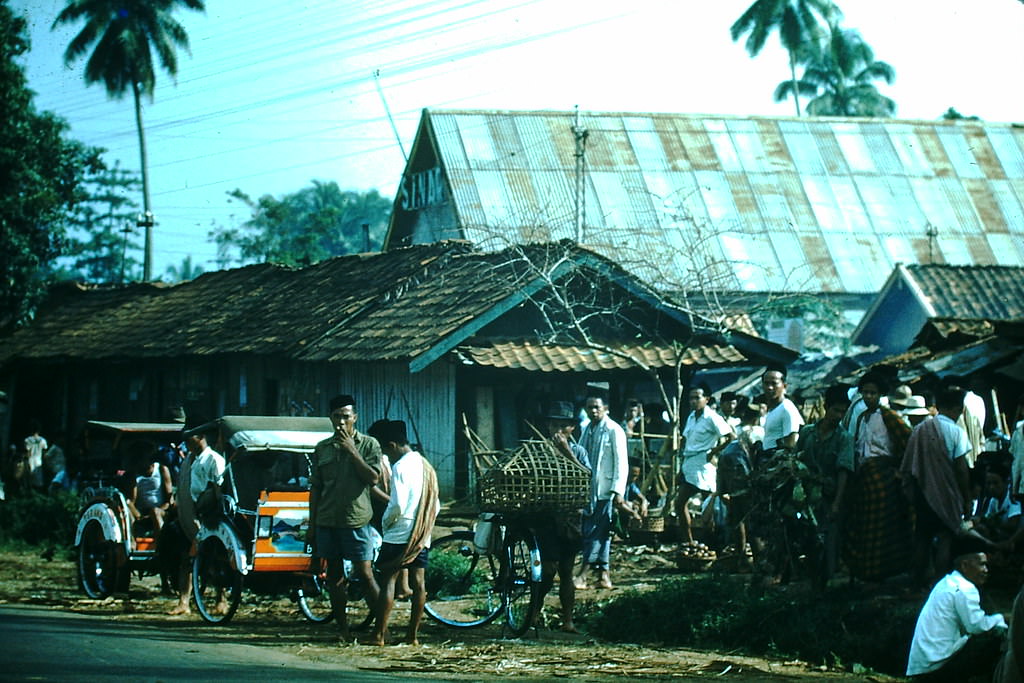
(879, 524)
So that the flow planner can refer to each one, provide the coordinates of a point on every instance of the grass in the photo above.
(838, 628)
(35, 519)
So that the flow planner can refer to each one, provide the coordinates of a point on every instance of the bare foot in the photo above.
(376, 640)
(580, 583)
(411, 640)
(180, 609)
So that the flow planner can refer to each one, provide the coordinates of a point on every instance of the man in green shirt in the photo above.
(345, 469)
(827, 450)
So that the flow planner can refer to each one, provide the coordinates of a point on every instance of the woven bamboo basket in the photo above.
(533, 478)
(654, 521)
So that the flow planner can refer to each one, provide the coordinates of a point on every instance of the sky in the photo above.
(276, 94)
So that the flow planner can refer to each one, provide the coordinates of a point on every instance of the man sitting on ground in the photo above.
(954, 639)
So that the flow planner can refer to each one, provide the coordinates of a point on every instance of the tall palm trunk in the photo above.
(792, 74)
(147, 215)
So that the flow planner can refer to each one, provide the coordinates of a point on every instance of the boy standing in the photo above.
(407, 524)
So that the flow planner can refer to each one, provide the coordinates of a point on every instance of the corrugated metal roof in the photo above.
(561, 358)
(813, 204)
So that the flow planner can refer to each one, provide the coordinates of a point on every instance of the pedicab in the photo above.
(256, 533)
(111, 545)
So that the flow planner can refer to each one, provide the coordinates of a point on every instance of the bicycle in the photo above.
(470, 586)
(315, 600)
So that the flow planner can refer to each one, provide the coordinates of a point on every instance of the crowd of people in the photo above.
(885, 482)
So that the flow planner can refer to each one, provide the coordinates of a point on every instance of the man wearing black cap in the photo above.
(407, 525)
(954, 639)
(560, 535)
(345, 468)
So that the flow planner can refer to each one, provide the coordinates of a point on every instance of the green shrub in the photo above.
(37, 519)
(718, 612)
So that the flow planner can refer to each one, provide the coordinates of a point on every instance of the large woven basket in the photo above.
(534, 478)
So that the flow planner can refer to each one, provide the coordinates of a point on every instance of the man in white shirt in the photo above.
(605, 443)
(705, 434)
(954, 639)
(783, 421)
(407, 524)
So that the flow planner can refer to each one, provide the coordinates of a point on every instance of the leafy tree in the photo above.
(797, 22)
(838, 77)
(41, 171)
(125, 35)
(187, 270)
(100, 248)
(304, 227)
(952, 114)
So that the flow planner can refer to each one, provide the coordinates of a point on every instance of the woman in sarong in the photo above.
(880, 519)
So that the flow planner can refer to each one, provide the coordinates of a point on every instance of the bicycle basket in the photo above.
(534, 478)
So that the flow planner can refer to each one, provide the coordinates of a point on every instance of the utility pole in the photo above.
(145, 220)
(580, 134)
(387, 110)
(932, 233)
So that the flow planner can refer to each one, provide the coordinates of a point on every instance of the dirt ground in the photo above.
(445, 653)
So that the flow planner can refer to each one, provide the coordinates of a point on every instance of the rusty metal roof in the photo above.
(561, 358)
(732, 203)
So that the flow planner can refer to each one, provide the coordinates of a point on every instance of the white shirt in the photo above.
(208, 466)
(703, 432)
(957, 443)
(780, 422)
(1017, 451)
(406, 492)
(950, 616)
(605, 443)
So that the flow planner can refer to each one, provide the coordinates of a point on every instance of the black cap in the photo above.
(341, 401)
(561, 410)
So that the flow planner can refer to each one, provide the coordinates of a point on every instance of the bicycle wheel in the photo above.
(462, 584)
(314, 600)
(98, 573)
(522, 592)
(217, 586)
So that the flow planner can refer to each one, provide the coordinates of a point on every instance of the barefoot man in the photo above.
(345, 469)
(408, 522)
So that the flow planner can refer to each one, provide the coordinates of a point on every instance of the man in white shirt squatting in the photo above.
(407, 525)
(954, 639)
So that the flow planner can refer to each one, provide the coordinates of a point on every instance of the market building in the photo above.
(441, 335)
(739, 208)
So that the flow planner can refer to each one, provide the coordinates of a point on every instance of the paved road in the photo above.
(44, 645)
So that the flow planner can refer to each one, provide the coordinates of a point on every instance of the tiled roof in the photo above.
(411, 303)
(747, 203)
(560, 358)
(971, 292)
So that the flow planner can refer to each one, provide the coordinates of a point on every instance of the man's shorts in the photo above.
(390, 552)
(354, 545)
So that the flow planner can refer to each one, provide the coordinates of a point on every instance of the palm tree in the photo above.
(126, 33)
(838, 76)
(188, 270)
(797, 21)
